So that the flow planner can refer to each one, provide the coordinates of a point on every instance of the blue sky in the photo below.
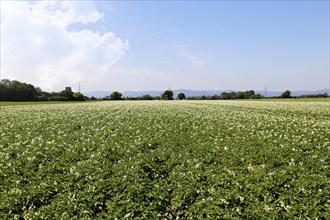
(145, 45)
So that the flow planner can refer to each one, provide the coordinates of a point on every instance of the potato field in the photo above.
(165, 160)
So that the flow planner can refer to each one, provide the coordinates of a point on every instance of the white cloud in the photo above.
(38, 47)
(194, 60)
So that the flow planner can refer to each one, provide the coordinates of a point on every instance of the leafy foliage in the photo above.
(167, 95)
(181, 96)
(165, 160)
(20, 91)
(286, 94)
(240, 95)
(16, 91)
(114, 96)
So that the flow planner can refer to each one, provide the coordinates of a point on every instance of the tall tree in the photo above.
(286, 94)
(181, 96)
(168, 95)
(116, 96)
(16, 91)
(67, 94)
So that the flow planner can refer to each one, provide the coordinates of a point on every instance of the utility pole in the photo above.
(79, 88)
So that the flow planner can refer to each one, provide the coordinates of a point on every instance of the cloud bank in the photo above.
(38, 46)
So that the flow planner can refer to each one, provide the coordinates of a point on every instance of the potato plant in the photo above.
(165, 160)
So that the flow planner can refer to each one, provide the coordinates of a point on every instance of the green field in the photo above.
(323, 99)
(166, 160)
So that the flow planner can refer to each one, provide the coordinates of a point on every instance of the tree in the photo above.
(16, 91)
(181, 96)
(241, 95)
(286, 94)
(167, 95)
(116, 96)
(67, 93)
(257, 96)
(147, 97)
(250, 94)
(13, 90)
(77, 96)
(225, 95)
(233, 95)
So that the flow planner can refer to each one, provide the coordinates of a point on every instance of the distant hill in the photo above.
(101, 94)
(308, 92)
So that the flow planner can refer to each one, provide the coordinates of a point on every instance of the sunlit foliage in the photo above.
(165, 159)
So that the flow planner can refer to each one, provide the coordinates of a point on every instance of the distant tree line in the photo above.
(250, 94)
(240, 95)
(13, 90)
(287, 94)
(166, 95)
(229, 96)
(143, 97)
(325, 95)
(169, 95)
